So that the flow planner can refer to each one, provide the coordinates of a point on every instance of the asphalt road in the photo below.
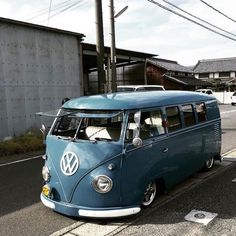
(21, 212)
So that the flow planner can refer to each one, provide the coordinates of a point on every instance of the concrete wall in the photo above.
(223, 97)
(38, 68)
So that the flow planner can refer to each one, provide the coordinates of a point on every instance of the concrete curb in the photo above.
(230, 155)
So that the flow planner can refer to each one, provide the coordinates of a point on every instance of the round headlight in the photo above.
(45, 173)
(102, 184)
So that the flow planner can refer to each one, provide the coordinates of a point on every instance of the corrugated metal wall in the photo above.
(126, 75)
(38, 68)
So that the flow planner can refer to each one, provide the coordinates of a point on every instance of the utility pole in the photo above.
(113, 48)
(100, 47)
(113, 44)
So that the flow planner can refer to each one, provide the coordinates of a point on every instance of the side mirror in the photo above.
(43, 129)
(137, 142)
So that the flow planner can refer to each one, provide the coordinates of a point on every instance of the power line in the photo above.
(83, 5)
(45, 10)
(218, 11)
(59, 8)
(193, 21)
(67, 8)
(49, 11)
(198, 18)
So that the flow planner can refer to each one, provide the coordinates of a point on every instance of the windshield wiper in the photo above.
(66, 138)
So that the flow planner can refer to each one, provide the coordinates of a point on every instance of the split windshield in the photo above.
(88, 125)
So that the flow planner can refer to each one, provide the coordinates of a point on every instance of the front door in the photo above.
(144, 162)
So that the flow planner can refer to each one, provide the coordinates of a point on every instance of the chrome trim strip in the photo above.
(109, 213)
(46, 202)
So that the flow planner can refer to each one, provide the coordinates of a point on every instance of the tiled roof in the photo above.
(216, 65)
(169, 65)
(188, 81)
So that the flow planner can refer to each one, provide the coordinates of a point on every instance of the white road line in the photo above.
(225, 112)
(19, 161)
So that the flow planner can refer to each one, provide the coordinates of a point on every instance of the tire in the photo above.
(209, 163)
(149, 194)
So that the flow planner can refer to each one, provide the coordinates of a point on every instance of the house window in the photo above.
(224, 74)
(203, 75)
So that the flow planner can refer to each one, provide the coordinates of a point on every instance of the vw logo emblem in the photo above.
(69, 163)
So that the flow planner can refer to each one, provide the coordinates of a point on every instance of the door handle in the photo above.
(165, 150)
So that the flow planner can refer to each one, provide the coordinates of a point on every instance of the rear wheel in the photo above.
(150, 194)
(209, 163)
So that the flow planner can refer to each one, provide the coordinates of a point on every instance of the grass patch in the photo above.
(29, 142)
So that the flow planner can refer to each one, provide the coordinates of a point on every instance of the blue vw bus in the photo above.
(108, 155)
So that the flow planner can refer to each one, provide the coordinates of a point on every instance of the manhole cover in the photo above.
(201, 217)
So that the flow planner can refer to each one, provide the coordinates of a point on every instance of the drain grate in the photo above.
(201, 217)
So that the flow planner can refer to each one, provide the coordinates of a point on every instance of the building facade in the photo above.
(220, 72)
(172, 75)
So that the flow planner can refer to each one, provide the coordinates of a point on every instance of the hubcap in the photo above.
(150, 194)
(209, 163)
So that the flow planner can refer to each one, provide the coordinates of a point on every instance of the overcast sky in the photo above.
(143, 27)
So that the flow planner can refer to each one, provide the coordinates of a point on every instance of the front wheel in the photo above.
(209, 163)
(149, 194)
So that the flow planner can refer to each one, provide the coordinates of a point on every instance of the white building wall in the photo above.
(216, 75)
(223, 97)
(232, 74)
(211, 75)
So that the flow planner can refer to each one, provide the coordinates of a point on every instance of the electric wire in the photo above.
(66, 8)
(193, 21)
(59, 9)
(45, 10)
(218, 11)
(49, 11)
(198, 18)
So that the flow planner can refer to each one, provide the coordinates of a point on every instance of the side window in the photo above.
(188, 114)
(150, 125)
(201, 112)
(173, 118)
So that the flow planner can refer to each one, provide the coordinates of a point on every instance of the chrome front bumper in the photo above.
(73, 210)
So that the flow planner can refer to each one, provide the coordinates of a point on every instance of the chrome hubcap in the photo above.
(150, 194)
(209, 163)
